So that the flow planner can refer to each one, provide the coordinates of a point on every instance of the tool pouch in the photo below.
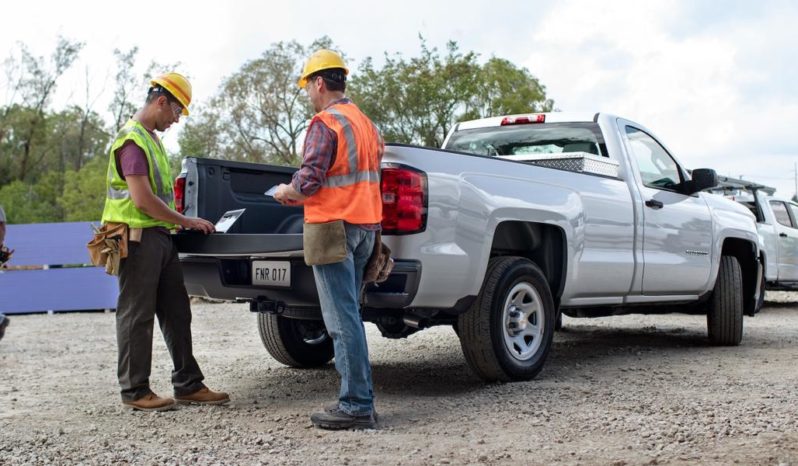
(380, 263)
(324, 243)
(109, 246)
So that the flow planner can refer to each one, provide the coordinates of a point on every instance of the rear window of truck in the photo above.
(544, 138)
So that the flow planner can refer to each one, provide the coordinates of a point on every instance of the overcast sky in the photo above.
(716, 81)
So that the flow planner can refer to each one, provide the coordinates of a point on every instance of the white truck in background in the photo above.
(777, 225)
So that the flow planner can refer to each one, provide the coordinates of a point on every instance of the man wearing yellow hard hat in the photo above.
(140, 196)
(339, 185)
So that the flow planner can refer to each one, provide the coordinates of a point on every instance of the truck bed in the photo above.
(220, 265)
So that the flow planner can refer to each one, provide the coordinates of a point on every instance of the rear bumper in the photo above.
(230, 279)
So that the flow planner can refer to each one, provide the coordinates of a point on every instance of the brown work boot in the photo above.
(204, 396)
(151, 402)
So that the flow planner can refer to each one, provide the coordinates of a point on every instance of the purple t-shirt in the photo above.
(131, 159)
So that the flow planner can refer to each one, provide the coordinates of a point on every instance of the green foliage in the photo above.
(33, 203)
(418, 100)
(84, 191)
(24, 122)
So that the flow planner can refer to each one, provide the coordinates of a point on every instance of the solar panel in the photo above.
(49, 243)
(71, 289)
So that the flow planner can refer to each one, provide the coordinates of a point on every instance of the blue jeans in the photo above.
(339, 294)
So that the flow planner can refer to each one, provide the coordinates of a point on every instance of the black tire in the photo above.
(295, 342)
(486, 329)
(725, 316)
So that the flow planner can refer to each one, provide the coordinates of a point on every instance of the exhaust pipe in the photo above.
(413, 321)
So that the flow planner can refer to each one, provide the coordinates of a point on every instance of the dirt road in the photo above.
(620, 390)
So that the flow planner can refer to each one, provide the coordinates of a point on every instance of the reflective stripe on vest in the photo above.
(351, 190)
(354, 176)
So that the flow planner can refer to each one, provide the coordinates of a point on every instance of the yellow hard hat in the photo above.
(177, 85)
(321, 60)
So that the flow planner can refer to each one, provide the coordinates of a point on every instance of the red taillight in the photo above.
(180, 193)
(524, 120)
(404, 201)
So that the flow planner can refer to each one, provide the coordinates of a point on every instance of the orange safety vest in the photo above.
(351, 191)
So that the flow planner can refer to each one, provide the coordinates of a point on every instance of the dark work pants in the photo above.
(151, 284)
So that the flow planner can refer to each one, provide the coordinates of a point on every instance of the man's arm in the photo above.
(318, 153)
(146, 201)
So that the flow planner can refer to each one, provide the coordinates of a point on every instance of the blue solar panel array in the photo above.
(54, 288)
(74, 289)
(49, 243)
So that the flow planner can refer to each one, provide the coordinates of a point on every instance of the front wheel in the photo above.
(295, 342)
(725, 316)
(507, 333)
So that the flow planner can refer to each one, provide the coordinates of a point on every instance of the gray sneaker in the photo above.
(334, 419)
(333, 407)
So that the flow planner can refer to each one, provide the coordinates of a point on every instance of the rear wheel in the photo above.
(507, 333)
(295, 342)
(725, 316)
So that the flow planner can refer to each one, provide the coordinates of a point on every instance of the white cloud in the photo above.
(699, 85)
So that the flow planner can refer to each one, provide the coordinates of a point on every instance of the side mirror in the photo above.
(702, 178)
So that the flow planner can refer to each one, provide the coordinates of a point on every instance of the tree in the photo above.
(505, 89)
(33, 203)
(83, 197)
(78, 136)
(259, 113)
(34, 82)
(121, 107)
(131, 86)
(419, 100)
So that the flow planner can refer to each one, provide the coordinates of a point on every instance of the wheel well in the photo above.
(745, 252)
(541, 243)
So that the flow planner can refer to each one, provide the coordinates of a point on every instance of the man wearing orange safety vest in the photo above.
(140, 195)
(339, 185)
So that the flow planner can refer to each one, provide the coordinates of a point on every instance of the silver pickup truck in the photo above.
(515, 220)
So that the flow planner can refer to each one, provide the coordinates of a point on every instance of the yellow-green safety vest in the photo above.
(119, 206)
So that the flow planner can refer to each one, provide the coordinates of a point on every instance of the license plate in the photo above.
(271, 273)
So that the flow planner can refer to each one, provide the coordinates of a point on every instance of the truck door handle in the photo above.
(783, 235)
(654, 204)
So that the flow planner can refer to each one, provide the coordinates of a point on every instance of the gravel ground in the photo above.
(620, 390)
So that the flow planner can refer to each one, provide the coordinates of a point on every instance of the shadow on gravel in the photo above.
(413, 378)
(778, 304)
(427, 379)
(591, 346)
(666, 337)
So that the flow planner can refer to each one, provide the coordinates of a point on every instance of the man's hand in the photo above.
(287, 195)
(200, 224)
